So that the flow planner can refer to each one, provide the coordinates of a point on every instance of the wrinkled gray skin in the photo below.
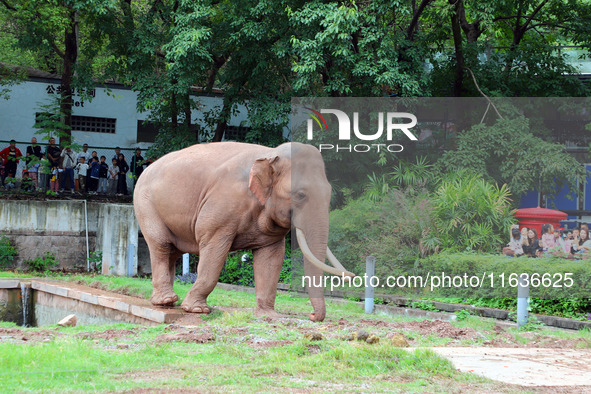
(210, 199)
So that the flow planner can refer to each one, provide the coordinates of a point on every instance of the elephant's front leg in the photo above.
(212, 257)
(267, 268)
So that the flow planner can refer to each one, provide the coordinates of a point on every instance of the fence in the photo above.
(108, 152)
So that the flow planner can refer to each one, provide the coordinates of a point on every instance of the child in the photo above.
(10, 182)
(53, 181)
(103, 174)
(94, 175)
(44, 173)
(548, 237)
(113, 172)
(515, 246)
(82, 168)
(33, 173)
(27, 184)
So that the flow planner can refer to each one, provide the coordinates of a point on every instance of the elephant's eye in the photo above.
(300, 195)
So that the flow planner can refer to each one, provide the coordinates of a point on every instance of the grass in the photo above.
(74, 363)
(83, 359)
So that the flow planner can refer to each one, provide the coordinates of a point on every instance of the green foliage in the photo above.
(7, 252)
(241, 273)
(472, 214)
(547, 275)
(96, 260)
(462, 314)
(41, 264)
(396, 230)
(424, 305)
(509, 153)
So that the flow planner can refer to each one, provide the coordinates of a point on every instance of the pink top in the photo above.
(548, 241)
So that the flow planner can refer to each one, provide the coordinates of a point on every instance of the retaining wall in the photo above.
(59, 227)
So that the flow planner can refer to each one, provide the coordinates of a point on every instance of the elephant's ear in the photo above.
(260, 181)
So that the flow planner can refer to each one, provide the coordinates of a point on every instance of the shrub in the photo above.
(42, 263)
(7, 252)
(396, 230)
(472, 214)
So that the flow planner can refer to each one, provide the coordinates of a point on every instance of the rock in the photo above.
(350, 337)
(313, 336)
(68, 321)
(122, 346)
(362, 335)
(372, 339)
(398, 341)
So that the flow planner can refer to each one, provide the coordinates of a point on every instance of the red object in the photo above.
(536, 217)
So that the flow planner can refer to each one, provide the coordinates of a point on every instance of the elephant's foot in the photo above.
(196, 307)
(260, 312)
(164, 298)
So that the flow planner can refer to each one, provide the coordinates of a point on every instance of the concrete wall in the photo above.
(59, 227)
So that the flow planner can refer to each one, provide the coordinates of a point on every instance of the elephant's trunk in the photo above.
(314, 247)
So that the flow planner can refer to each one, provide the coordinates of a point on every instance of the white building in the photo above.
(110, 119)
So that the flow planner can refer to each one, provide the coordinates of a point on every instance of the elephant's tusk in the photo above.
(310, 256)
(333, 260)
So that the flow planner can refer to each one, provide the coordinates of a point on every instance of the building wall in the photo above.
(17, 114)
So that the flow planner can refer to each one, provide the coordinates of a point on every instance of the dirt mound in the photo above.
(442, 329)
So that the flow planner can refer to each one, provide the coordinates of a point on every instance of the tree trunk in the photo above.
(457, 35)
(70, 57)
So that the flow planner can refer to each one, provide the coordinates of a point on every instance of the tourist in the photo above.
(84, 154)
(103, 176)
(585, 242)
(122, 176)
(117, 153)
(94, 175)
(53, 153)
(44, 173)
(33, 153)
(137, 165)
(10, 182)
(548, 237)
(33, 171)
(515, 246)
(10, 156)
(68, 163)
(53, 181)
(113, 172)
(82, 169)
(524, 231)
(533, 247)
(27, 185)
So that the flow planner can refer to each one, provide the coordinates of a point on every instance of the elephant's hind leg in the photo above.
(212, 256)
(163, 258)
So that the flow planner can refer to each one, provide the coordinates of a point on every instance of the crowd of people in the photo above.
(571, 244)
(57, 169)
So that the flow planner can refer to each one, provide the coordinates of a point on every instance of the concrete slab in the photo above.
(523, 366)
(9, 284)
(135, 308)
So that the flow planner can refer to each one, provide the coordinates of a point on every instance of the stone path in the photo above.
(523, 366)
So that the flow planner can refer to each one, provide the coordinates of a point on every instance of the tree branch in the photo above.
(482, 93)
(415, 19)
(8, 6)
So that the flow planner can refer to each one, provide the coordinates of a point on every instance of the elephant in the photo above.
(210, 199)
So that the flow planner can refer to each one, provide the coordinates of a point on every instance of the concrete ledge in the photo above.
(10, 284)
(121, 303)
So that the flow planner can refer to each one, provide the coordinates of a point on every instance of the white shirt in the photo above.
(82, 169)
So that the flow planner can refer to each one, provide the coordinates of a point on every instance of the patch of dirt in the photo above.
(192, 336)
(442, 329)
(267, 344)
(109, 335)
(16, 335)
